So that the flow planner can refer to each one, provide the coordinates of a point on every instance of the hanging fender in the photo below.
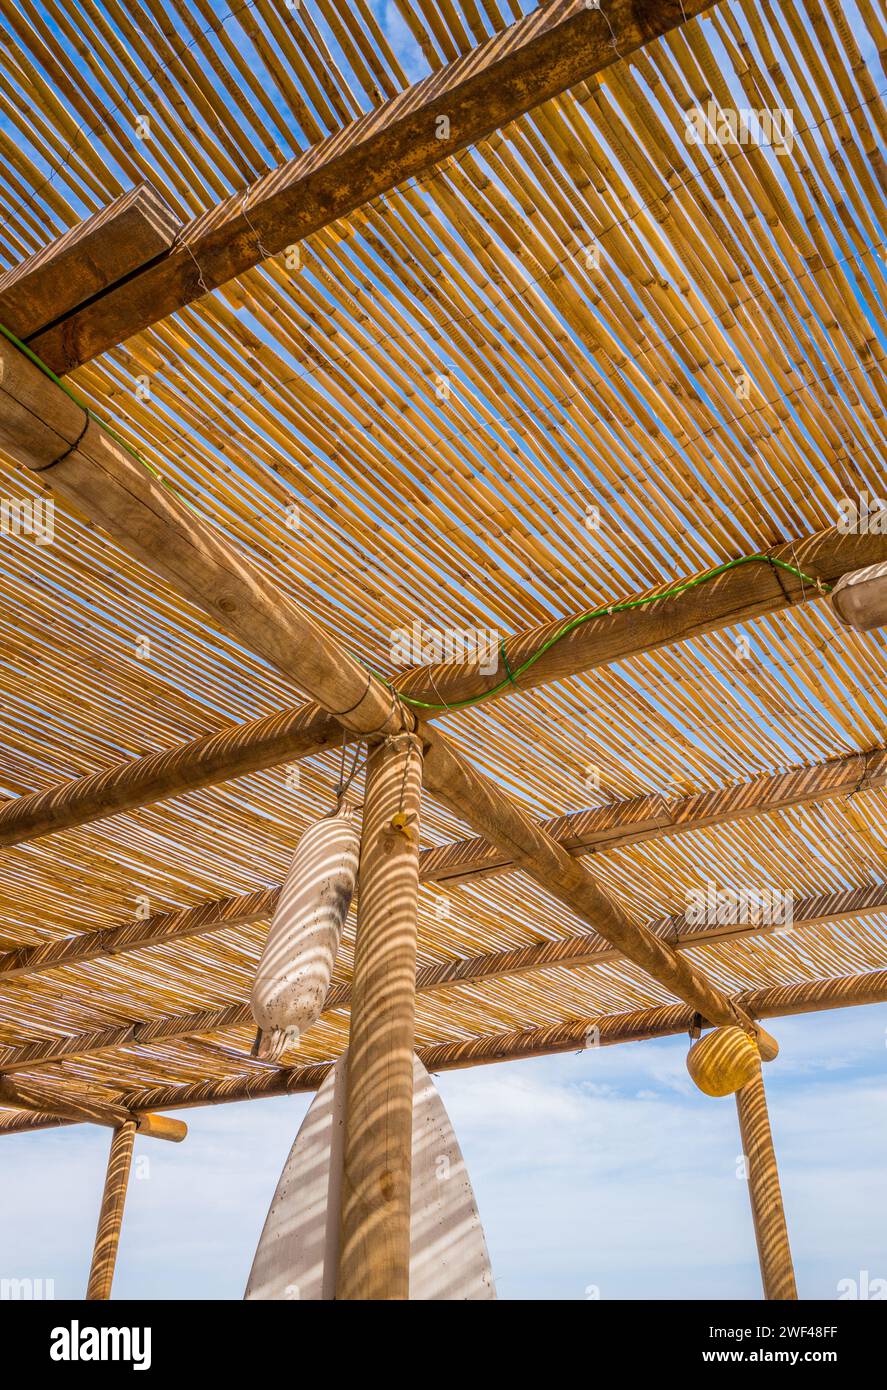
(296, 965)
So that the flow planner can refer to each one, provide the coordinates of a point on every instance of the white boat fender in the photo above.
(296, 965)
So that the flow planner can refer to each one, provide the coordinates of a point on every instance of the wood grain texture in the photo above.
(87, 260)
(765, 1194)
(107, 1239)
(374, 1237)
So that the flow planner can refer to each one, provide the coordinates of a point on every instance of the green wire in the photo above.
(513, 674)
(624, 606)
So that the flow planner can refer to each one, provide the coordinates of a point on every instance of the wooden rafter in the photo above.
(570, 952)
(619, 823)
(87, 260)
(739, 595)
(85, 1106)
(537, 58)
(604, 1030)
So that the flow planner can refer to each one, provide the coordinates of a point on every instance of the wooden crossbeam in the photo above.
(49, 433)
(540, 56)
(573, 1035)
(569, 952)
(82, 1106)
(88, 260)
(620, 823)
(749, 591)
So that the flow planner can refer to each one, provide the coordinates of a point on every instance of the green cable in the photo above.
(512, 677)
(624, 606)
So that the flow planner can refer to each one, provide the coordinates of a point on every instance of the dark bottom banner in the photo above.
(188, 1338)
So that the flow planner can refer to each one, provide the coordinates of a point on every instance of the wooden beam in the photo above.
(107, 1239)
(38, 419)
(87, 261)
(261, 743)
(570, 952)
(206, 917)
(573, 1035)
(540, 56)
(374, 1238)
(765, 1194)
(620, 823)
(742, 594)
(480, 802)
(82, 1106)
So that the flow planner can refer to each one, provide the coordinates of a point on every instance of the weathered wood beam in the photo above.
(374, 1231)
(620, 823)
(765, 1193)
(205, 762)
(50, 434)
(480, 802)
(107, 1238)
(738, 595)
(235, 911)
(84, 1106)
(568, 952)
(573, 1035)
(88, 260)
(550, 50)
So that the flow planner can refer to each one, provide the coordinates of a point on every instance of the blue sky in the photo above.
(603, 1174)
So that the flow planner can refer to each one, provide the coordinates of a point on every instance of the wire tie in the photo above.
(503, 653)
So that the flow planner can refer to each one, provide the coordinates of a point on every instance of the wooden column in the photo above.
(107, 1238)
(771, 1234)
(374, 1258)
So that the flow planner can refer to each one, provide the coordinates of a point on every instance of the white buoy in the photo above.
(296, 965)
(860, 599)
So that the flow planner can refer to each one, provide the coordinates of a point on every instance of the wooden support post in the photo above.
(374, 1261)
(107, 1237)
(771, 1234)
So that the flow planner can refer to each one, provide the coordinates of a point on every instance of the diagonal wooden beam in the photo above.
(83, 1106)
(568, 952)
(49, 433)
(620, 823)
(746, 592)
(552, 49)
(93, 256)
(573, 1035)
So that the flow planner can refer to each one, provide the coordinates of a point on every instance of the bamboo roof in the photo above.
(451, 393)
